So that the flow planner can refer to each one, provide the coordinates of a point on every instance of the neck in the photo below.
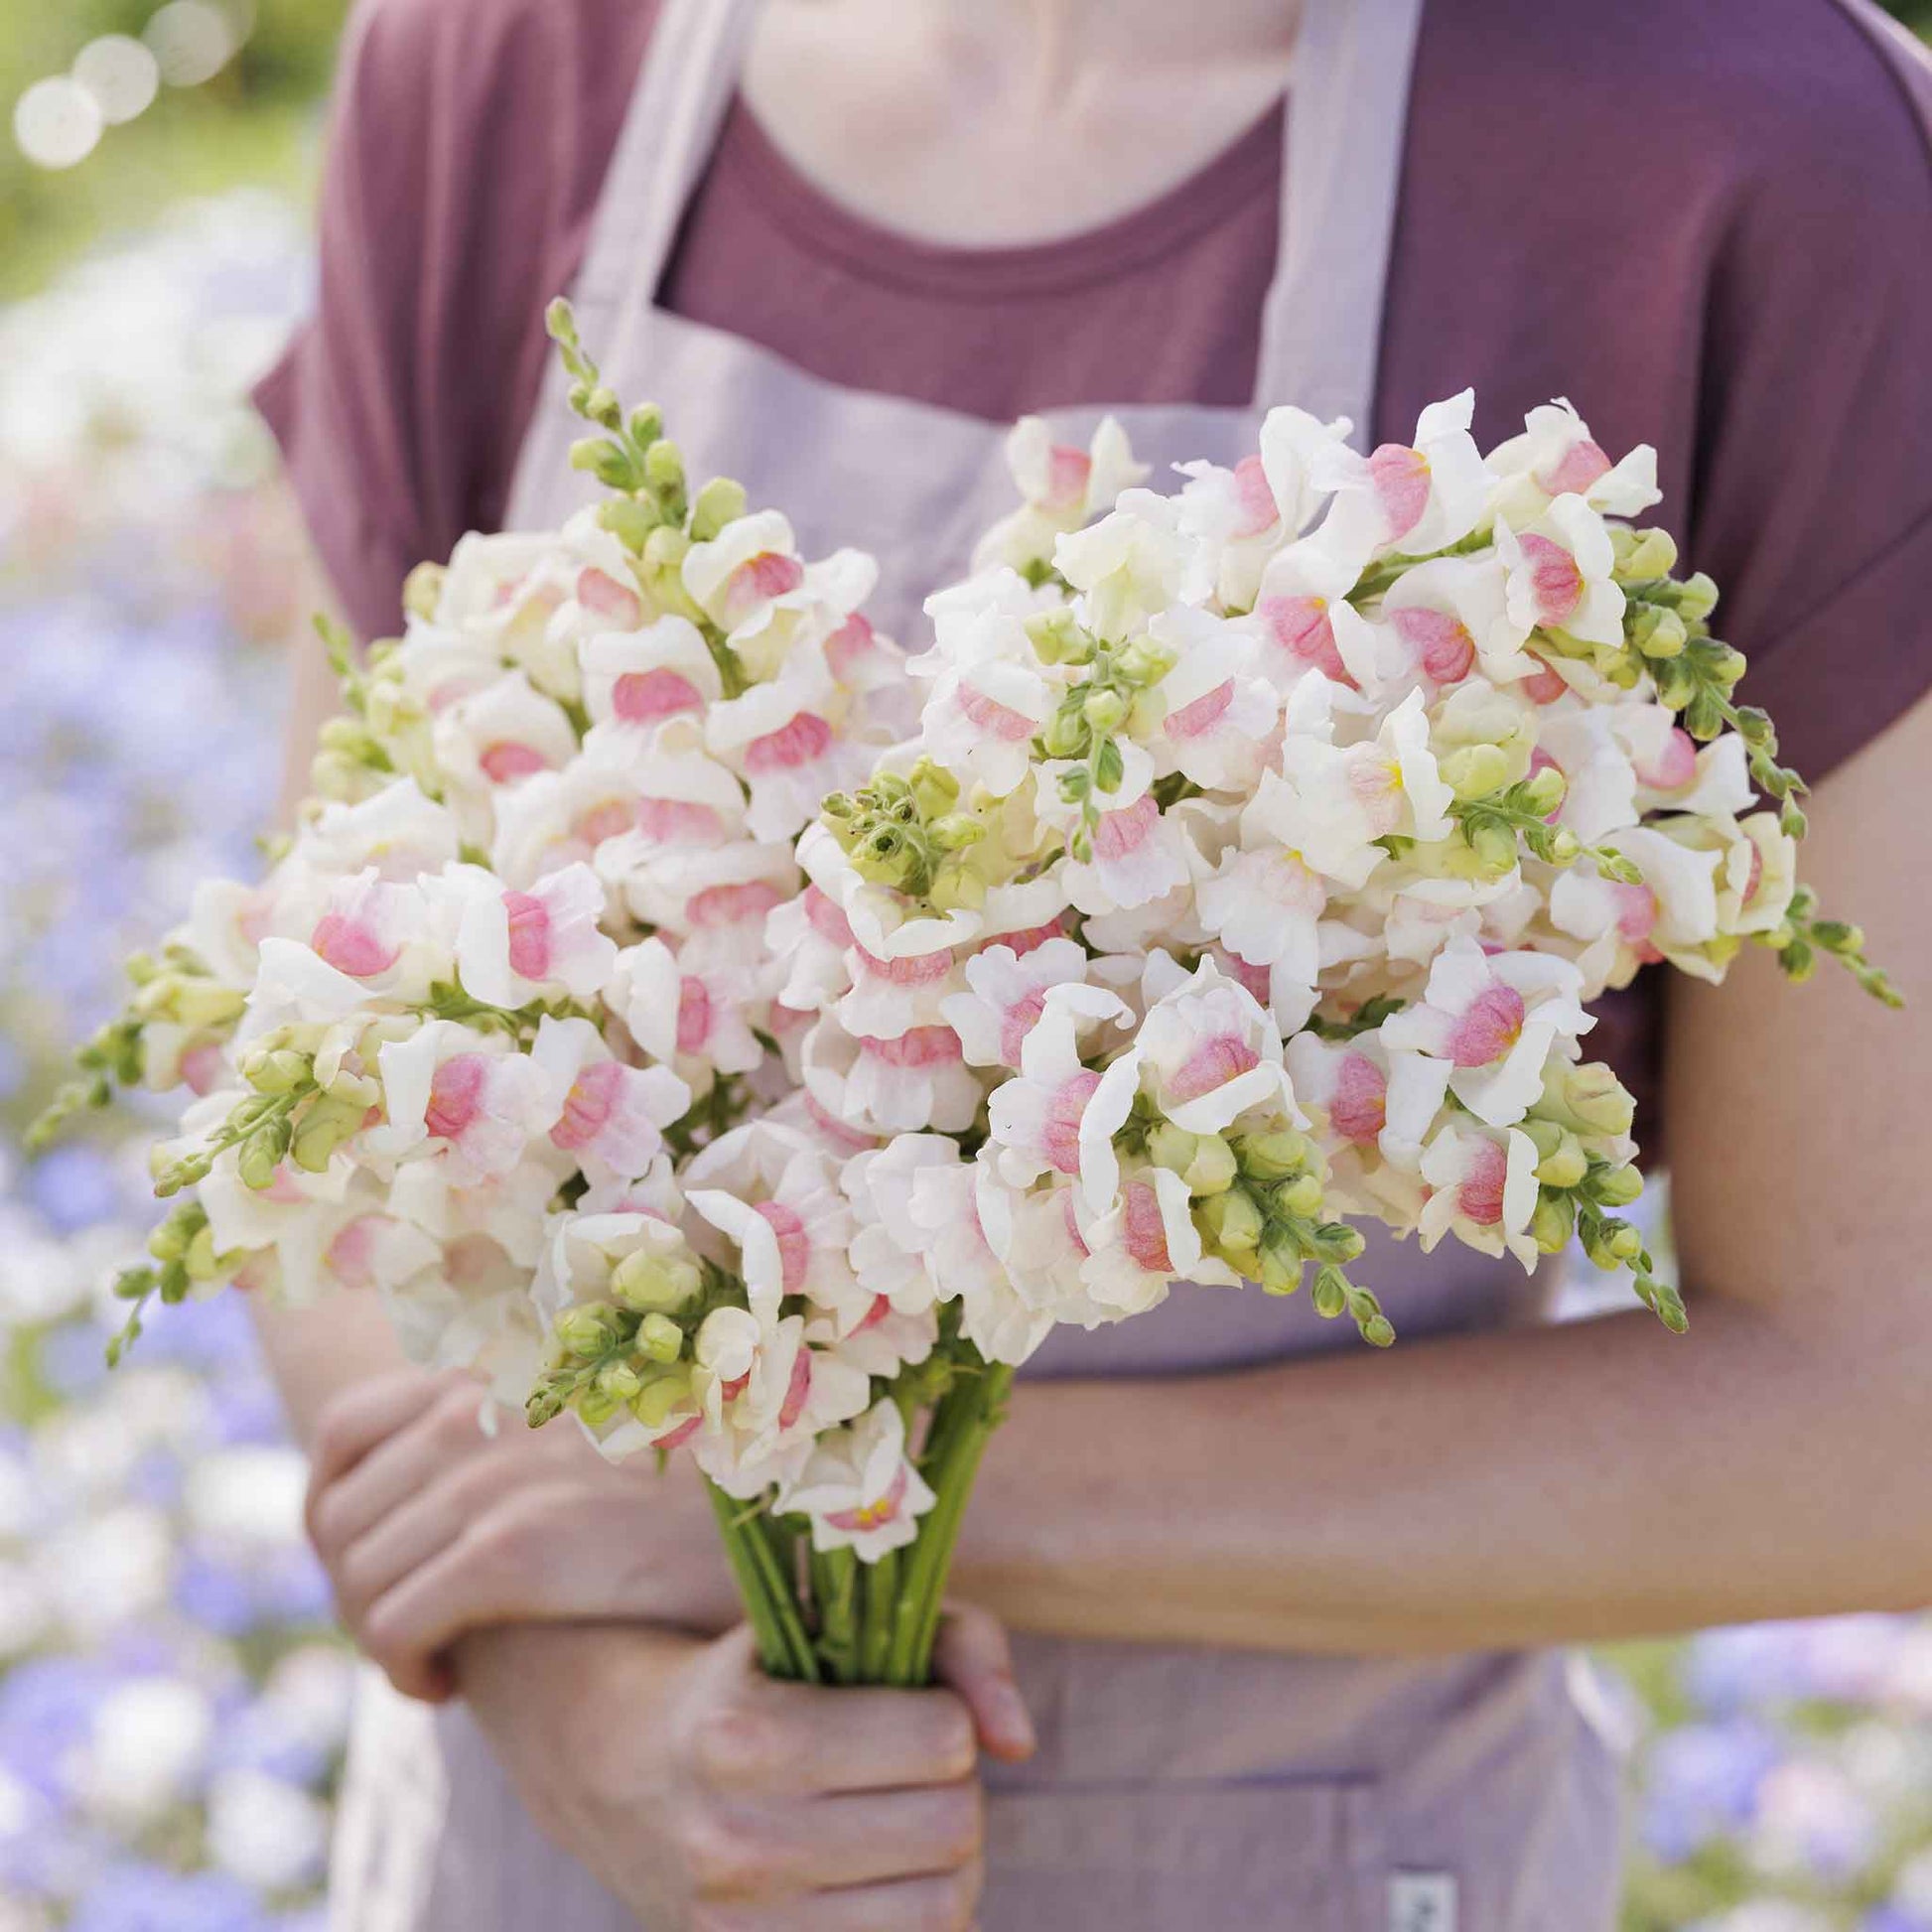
(1044, 42)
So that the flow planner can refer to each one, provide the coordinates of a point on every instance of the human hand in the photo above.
(711, 1798)
(428, 1527)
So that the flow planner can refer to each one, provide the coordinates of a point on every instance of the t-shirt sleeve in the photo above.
(1814, 492)
(469, 142)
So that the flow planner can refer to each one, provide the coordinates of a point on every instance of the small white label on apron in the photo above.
(1422, 1901)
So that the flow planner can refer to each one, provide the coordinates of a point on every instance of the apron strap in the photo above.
(689, 75)
(1341, 172)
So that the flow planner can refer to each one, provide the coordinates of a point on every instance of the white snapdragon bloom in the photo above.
(613, 1116)
(967, 1216)
(1060, 487)
(1453, 614)
(1347, 797)
(1006, 993)
(715, 899)
(735, 577)
(1410, 500)
(989, 699)
(808, 938)
(1221, 714)
(1675, 774)
(1206, 1053)
(1366, 1098)
(642, 678)
(1128, 565)
(1138, 853)
(454, 1094)
(903, 1083)
(1556, 455)
(1234, 522)
(1040, 1119)
(513, 947)
(777, 1199)
(891, 997)
(1560, 573)
(888, 1252)
(323, 1230)
(1304, 623)
(1482, 1189)
(1143, 1244)
(765, 1396)
(1672, 914)
(786, 739)
(397, 830)
(700, 1024)
(882, 921)
(860, 1490)
(1493, 1019)
(502, 734)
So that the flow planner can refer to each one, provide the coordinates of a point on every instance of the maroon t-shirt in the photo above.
(1709, 227)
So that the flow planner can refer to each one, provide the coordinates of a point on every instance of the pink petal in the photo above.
(1487, 1028)
(1400, 477)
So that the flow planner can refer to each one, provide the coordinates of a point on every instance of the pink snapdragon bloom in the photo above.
(502, 734)
(367, 927)
(789, 1222)
(735, 576)
(988, 698)
(1060, 486)
(515, 946)
(860, 1490)
(1006, 996)
(1143, 1244)
(702, 1024)
(1364, 1097)
(882, 1084)
(894, 996)
(469, 1099)
(1560, 574)
(613, 1116)
(1222, 714)
(1408, 499)
(1557, 456)
(810, 937)
(787, 740)
(1482, 1189)
(638, 680)
(1452, 616)
(717, 901)
(1139, 854)
(1493, 1019)
(1040, 1120)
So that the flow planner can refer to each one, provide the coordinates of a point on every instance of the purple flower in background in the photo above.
(137, 1897)
(1702, 1783)
(75, 1186)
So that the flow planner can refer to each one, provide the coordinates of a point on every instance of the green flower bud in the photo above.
(1565, 1166)
(262, 1153)
(596, 1407)
(1553, 1223)
(1170, 1147)
(589, 1329)
(646, 424)
(643, 1281)
(1300, 1196)
(631, 520)
(1338, 1241)
(659, 1337)
(280, 1072)
(1330, 1293)
(1144, 663)
(1614, 1187)
(1658, 631)
(1231, 1223)
(664, 468)
(1494, 847)
(956, 889)
(1281, 1262)
(1475, 770)
(201, 1260)
(1213, 1169)
(666, 548)
(1544, 791)
(619, 1381)
(1109, 768)
(1643, 554)
(1057, 639)
(1586, 1099)
(601, 405)
(1272, 1157)
(956, 831)
(1697, 597)
(1561, 848)
(720, 502)
(1104, 710)
(1066, 734)
(422, 590)
(662, 1397)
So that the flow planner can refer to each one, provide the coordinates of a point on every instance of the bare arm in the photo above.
(1592, 1481)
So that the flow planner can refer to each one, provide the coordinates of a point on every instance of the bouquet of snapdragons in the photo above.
(661, 1033)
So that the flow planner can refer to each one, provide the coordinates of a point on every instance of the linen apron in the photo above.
(1219, 1791)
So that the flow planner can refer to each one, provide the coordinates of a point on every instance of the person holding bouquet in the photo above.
(1284, 1629)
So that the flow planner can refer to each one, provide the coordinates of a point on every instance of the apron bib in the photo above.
(1221, 1791)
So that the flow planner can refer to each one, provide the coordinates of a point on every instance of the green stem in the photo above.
(881, 1602)
(835, 1587)
(771, 1602)
(961, 1428)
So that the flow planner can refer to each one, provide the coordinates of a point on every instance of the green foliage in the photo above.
(252, 122)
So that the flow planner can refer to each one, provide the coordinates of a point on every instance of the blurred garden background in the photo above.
(173, 1701)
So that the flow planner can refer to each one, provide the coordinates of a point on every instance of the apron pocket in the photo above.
(1252, 1856)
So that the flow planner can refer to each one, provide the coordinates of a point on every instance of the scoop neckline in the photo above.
(1225, 183)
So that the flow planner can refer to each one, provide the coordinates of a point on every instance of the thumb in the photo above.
(973, 1660)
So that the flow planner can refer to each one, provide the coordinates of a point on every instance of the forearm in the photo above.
(1596, 1480)
(314, 1353)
